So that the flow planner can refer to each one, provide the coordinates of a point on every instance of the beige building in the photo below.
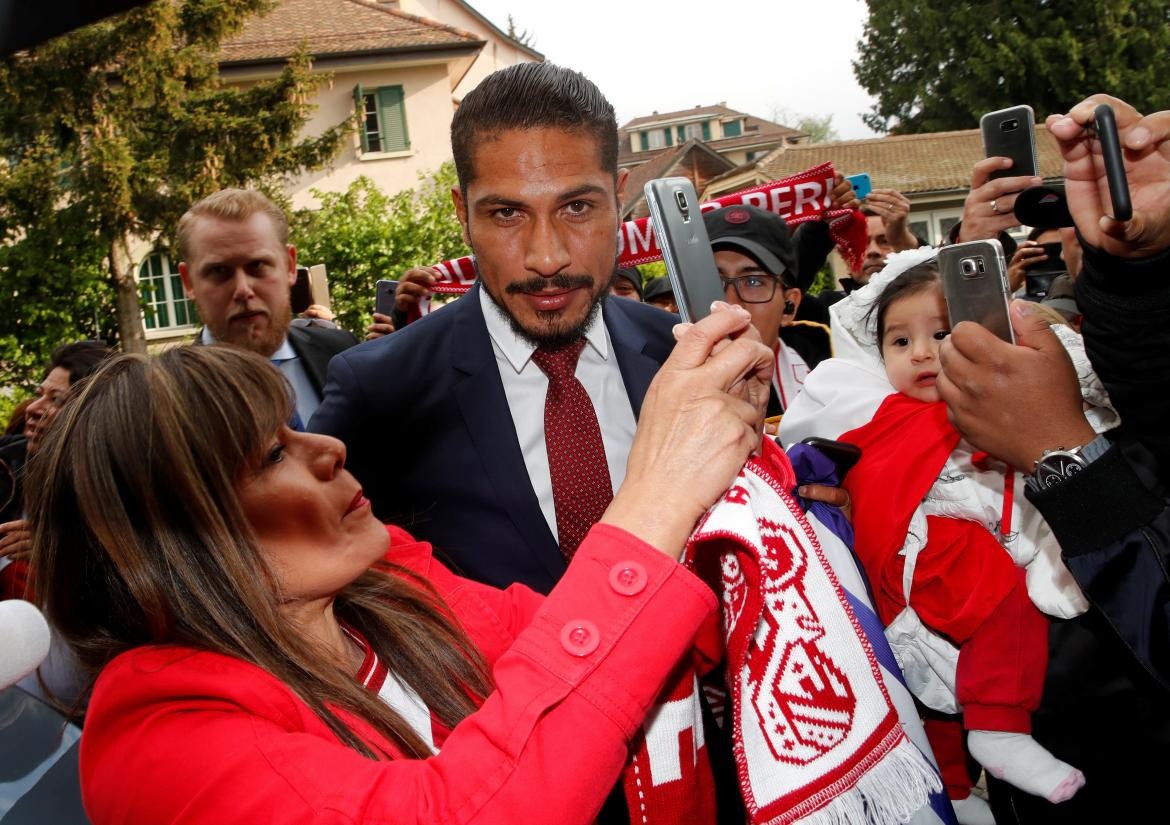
(737, 136)
(402, 65)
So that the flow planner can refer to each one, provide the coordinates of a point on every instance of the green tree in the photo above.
(363, 234)
(107, 135)
(935, 65)
(819, 128)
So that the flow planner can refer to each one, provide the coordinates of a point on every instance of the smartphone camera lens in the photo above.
(1010, 125)
(972, 267)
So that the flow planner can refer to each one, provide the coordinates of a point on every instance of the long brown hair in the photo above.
(140, 538)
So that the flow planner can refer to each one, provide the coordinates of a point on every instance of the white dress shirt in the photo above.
(526, 387)
(286, 360)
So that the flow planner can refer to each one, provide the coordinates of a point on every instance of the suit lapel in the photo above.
(629, 344)
(312, 357)
(484, 406)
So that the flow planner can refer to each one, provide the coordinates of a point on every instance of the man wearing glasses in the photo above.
(757, 264)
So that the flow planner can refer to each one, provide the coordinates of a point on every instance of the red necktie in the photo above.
(576, 456)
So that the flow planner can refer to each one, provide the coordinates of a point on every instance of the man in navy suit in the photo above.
(444, 420)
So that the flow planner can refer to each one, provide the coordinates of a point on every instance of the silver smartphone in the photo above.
(1011, 133)
(686, 249)
(384, 296)
(975, 284)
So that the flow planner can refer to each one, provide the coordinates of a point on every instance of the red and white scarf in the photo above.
(815, 736)
(798, 199)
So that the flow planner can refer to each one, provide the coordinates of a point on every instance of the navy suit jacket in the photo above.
(429, 435)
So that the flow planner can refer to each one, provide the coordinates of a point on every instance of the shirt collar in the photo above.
(519, 351)
(284, 352)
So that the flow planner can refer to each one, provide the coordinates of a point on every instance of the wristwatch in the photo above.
(1060, 464)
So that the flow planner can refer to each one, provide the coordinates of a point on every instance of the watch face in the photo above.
(1056, 467)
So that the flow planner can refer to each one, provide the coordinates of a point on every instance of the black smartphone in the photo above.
(974, 280)
(1011, 133)
(843, 455)
(301, 295)
(686, 248)
(385, 294)
(1106, 125)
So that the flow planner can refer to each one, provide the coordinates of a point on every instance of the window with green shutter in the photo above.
(669, 136)
(166, 304)
(706, 130)
(645, 141)
(681, 133)
(731, 129)
(382, 113)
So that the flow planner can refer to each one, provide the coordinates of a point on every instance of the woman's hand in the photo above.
(700, 421)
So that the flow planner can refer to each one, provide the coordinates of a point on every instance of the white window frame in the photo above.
(173, 297)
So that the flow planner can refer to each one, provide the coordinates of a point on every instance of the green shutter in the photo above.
(682, 134)
(645, 141)
(706, 130)
(731, 129)
(359, 108)
(669, 136)
(392, 109)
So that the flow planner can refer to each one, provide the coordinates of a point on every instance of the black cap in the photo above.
(762, 234)
(657, 287)
(1044, 207)
(632, 275)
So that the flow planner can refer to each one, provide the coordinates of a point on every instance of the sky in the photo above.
(665, 55)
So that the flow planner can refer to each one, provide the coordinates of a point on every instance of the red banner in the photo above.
(800, 198)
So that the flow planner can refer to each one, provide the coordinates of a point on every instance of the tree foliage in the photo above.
(363, 234)
(935, 65)
(107, 135)
(819, 128)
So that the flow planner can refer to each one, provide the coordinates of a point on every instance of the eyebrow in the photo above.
(572, 194)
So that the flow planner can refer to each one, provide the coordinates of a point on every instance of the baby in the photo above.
(943, 533)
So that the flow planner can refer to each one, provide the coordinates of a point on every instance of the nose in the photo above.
(326, 454)
(923, 351)
(36, 407)
(242, 291)
(873, 249)
(545, 252)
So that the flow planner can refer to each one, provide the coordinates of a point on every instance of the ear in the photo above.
(620, 188)
(461, 213)
(794, 296)
(185, 275)
(292, 265)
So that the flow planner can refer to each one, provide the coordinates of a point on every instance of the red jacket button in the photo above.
(580, 637)
(628, 578)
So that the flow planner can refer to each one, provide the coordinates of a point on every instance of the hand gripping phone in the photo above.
(975, 284)
(384, 297)
(1106, 125)
(1011, 133)
(686, 249)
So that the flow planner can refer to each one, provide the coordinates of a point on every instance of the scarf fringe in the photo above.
(893, 790)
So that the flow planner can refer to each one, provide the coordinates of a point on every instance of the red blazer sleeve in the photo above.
(174, 736)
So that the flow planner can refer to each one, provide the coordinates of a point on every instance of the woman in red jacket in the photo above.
(270, 652)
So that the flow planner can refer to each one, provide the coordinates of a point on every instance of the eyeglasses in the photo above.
(753, 289)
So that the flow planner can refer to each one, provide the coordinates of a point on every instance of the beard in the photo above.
(264, 343)
(555, 330)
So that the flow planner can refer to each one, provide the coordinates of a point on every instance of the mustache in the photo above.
(558, 281)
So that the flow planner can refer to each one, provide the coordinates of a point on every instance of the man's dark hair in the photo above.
(532, 96)
(80, 359)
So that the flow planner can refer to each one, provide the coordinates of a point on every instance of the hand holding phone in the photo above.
(842, 454)
(301, 294)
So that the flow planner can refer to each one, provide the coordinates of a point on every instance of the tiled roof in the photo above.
(666, 116)
(332, 27)
(908, 163)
